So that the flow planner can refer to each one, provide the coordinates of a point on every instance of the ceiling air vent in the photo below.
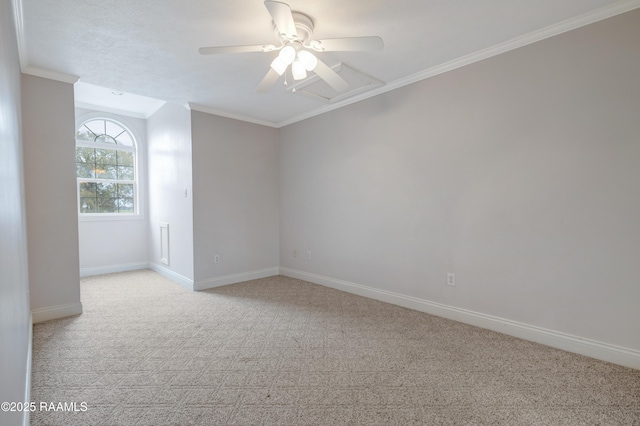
(316, 88)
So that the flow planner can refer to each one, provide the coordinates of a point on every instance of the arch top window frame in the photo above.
(106, 169)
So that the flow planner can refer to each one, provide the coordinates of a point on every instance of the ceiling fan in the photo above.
(293, 31)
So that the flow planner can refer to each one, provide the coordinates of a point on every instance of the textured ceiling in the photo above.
(150, 47)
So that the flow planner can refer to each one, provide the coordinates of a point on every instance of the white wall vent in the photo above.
(164, 243)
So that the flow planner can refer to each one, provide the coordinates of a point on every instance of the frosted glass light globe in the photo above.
(298, 70)
(308, 59)
(287, 54)
(279, 65)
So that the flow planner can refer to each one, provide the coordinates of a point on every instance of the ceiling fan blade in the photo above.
(348, 44)
(268, 81)
(216, 50)
(330, 76)
(282, 17)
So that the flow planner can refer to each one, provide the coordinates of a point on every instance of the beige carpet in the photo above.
(147, 351)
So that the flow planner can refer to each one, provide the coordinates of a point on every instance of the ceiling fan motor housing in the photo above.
(304, 28)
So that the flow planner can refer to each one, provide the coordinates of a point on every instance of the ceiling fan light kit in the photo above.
(298, 70)
(279, 66)
(293, 30)
(287, 54)
(308, 59)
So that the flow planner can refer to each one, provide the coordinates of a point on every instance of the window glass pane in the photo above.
(125, 205)
(85, 155)
(88, 205)
(125, 173)
(113, 129)
(107, 190)
(96, 126)
(125, 190)
(106, 156)
(88, 190)
(85, 134)
(125, 158)
(84, 170)
(105, 139)
(125, 139)
(106, 172)
(107, 205)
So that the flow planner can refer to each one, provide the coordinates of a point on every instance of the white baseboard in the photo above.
(55, 312)
(26, 420)
(236, 278)
(101, 270)
(173, 276)
(583, 346)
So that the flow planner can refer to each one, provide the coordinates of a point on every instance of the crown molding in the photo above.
(208, 110)
(23, 54)
(515, 43)
(50, 74)
(588, 18)
(520, 41)
(18, 21)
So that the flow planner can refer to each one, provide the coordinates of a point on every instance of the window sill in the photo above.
(97, 217)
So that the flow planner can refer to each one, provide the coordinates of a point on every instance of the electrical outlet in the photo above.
(308, 254)
(216, 258)
(295, 253)
(451, 279)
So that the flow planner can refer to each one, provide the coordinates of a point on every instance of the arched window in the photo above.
(106, 168)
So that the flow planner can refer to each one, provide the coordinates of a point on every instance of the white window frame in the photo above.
(136, 182)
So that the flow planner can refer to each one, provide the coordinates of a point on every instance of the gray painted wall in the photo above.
(14, 281)
(169, 175)
(518, 173)
(235, 195)
(51, 200)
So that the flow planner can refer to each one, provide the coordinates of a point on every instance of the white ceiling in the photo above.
(111, 100)
(150, 47)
